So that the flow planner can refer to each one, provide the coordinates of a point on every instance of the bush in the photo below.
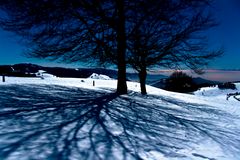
(227, 85)
(180, 82)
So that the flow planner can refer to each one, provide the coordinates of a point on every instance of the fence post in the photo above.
(3, 78)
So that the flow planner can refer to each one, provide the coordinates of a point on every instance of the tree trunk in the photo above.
(121, 49)
(142, 77)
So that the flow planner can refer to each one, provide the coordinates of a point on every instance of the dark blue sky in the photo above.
(227, 34)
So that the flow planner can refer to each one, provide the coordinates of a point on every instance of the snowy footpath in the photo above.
(77, 119)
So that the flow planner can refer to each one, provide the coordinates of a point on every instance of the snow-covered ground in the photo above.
(216, 92)
(69, 118)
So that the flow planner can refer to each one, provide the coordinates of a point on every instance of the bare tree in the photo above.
(170, 34)
(71, 31)
(153, 33)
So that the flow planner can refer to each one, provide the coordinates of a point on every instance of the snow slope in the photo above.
(216, 92)
(60, 118)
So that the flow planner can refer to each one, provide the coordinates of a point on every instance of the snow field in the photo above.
(182, 126)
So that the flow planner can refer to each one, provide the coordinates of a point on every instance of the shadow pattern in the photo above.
(56, 122)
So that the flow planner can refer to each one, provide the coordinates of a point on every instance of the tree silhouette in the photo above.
(71, 31)
(180, 82)
(170, 34)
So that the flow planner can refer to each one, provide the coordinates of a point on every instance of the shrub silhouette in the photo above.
(227, 85)
(180, 82)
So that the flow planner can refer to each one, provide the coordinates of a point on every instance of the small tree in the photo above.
(180, 82)
(170, 34)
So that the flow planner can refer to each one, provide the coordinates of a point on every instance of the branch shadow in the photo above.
(54, 122)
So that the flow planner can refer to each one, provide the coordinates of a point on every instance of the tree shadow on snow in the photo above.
(54, 122)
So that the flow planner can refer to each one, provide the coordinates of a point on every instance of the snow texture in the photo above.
(69, 118)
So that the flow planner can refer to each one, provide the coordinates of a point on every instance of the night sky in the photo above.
(227, 34)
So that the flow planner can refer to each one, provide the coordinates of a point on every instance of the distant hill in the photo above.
(79, 72)
(29, 70)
